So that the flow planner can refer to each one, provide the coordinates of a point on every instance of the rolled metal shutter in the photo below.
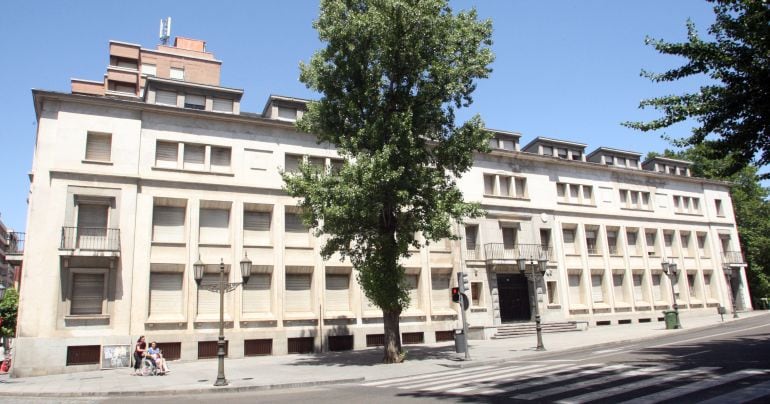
(166, 154)
(256, 294)
(298, 293)
(168, 224)
(98, 146)
(413, 282)
(440, 290)
(165, 97)
(214, 226)
(256, 228)
(165, 294)
(87, 294)
(338, 292)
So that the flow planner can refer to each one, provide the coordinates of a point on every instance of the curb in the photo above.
(206, 390)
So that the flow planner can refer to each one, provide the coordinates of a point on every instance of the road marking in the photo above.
(709, 336)
(545, 381)
(442, 380)
(743, 395)
(603, 351)
(679, 391)
(518, 371)
(419, 377)
(588, 383)
(695, 353)
(481, 383)
(624, 388)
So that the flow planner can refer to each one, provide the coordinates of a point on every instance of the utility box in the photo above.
(460, 341)
(671, 319)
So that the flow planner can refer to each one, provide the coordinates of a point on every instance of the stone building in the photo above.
(137, 176)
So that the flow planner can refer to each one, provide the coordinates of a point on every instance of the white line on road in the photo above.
(551, 379)
(709, 336)
(484, 382)
(679, 391)
(424, 376)
(498, 376)
(442, 381)
(743, 395)
(695, 353)
(588, 383)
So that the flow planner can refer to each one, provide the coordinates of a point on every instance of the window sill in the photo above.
(588, 205)
(688, 214)
(258, 245)
(622, 305)
(636, 209)
(298, 247)
(98, 162)
(188, 171)
(257, 317)
(300, 315)
(224, 245)
(512, 198)
(413, 313)
(337, 314)
(213, 318)
(601, 305)
(87, 317)
(168, 319)
(444, 312)
(168, 243)
(641, 304)
(553, 306)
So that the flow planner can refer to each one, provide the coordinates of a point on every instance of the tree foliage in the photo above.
(750, 205)
(733, 110)
(9, 307)
(392, 75)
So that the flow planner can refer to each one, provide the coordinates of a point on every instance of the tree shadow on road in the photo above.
(373, 356)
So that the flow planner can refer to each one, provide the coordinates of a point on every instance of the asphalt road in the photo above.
(725, 364)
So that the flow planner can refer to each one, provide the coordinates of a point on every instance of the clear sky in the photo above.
(564, 69)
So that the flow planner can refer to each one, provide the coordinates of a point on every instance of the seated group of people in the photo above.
(141, 351)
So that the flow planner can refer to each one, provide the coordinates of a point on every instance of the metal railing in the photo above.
(16, 242)
(500, 251)
(473, 252)
(733, 257)
(90, 238)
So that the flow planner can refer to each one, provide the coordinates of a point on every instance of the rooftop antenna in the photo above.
(165, 30)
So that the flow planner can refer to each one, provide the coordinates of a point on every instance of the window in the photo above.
(223, 105)
(503, 185)
(471, 241)
(88, 293)
(657, 287)
(413, 288)
(166, 154)
(650, 238)
(687, 204)
(297, 235)
(574, 193)
(338, 291)
(561, 153)
(176, 73)
(166, 291)
(439, 282)
(98, 146)
(122, 87)
(545, 239)
(163, 97)
(258, 159)
(576, 155)
(569, 241)
(719, 208)
(168, 217)
(668, 243)
(220, 158)
(703, 249)
(691, 284)
(633, 163)
(684, 239)
(194, 157)
(638, 279)
(618, 280)
(292, 163)
(298, 295)
(287, 113)
(575, 286)
(553, 294)
(597, 288)
(612, 241)
(630, 199)
(256, 293)
(149, 69)
(256, 226)
(208, 301)
(724, 241)
(591, 245)
(476, 294)
(125, 63)
(502, 143)
(214, 225)
(193, 101)
(509, 238)
(92, 225)
(547, 151)
(632, 241)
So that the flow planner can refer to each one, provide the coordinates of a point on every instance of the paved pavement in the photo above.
(271, 372)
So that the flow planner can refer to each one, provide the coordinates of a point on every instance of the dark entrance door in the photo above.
(513, 293)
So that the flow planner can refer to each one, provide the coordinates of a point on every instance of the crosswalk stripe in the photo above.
(482, 383)
(609, 392)
(588, 383)
(521, 386)
(447, 381)
(382, 383)
(743, 395)
(510, 372)
(693, 387)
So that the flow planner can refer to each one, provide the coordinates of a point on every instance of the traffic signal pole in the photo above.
(462, 279)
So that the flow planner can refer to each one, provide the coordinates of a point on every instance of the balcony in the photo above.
(15, 247)
(95, 241)
(733, 258)
(505, 254)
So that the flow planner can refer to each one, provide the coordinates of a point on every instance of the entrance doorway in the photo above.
(513, 293)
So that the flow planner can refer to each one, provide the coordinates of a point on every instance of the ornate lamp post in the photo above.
(221, 287)
(729, 274)
(537, 272)
(669, 268)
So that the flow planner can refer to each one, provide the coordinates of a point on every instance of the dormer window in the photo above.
(287, 113)
(547, 151)
(193, 101)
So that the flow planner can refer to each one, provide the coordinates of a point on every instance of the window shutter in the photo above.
(194, 157)
(413, 282)
(214, 226)
(506, 144)
(574, 289)
(298, 297)
(638, 292)
(256, 228)
(208, 302)
(596, 288)
(509, 238)
(338, 292)
(194, 101)
(165, 97)
(292, 163)
(256, 294)
(165, 294)
(287, 113)
(440, 295)
(98, 146)
(168, 224)
(92, 216)
(296, 232)
(166, 154)
(176, 73)
(223, 105)
(617, 281)
(220, 156)
(656, 286)
(87, 294)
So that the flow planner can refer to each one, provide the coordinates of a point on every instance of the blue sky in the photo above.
(564, 69)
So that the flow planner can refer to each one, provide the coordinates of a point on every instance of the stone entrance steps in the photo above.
(520, 329)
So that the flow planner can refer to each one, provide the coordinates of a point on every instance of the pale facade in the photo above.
(132, 185)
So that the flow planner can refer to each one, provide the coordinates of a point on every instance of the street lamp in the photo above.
(222, 287)
(537, 270)
(669, 268)
(729, 274)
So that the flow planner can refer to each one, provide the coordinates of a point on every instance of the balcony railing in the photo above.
(733, 257)
(473, 252)
(500, 251)
(16, 242)
(90, 238)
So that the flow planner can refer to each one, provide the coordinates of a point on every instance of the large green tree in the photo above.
(391, 76)
(750, 205)
(733, 109)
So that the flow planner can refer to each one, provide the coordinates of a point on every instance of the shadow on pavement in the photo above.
(373, 356)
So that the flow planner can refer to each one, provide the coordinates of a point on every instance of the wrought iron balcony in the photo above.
(733, 257)
(16, 243)
(90, 238)
(502, 252)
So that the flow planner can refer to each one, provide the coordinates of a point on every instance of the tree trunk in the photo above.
(392, 346)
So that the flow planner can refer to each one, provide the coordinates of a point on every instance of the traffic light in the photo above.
(455, 295)
(463, 282)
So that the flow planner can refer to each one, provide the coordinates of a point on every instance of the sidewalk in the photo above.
(270, 372)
